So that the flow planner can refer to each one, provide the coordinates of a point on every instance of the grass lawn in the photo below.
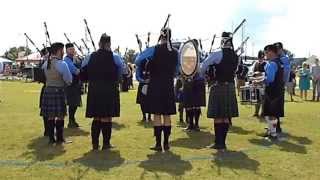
(25, 154)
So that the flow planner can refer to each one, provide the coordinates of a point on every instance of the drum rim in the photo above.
(180, 59)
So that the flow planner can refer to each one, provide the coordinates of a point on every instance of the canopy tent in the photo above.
(32, 58)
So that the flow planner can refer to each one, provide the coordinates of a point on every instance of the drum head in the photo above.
(189, 59)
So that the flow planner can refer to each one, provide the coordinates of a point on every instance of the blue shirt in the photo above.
(73, 69)
(62, 68)
(213, 58)
(286, 67)
(121, 66)
(147, 55)
(271, 69)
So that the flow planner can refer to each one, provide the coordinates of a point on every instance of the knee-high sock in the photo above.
(166, 134)
(218, 133)
(72, 112)
(196, 113)
(106, 132)
(272, 126)
(225, 129)
(59, 130)
(51, 125)
(279, 130)
(157, 133)
(190, 116)
(45, 125)
(143, 112)
(95, 132)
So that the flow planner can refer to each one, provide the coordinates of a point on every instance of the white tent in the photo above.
(3, 61)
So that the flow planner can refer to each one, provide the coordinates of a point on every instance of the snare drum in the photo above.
(251, 94)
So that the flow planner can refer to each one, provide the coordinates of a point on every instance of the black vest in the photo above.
(225, 70)
(278, 84)
(259, 67)
(163, 65)
(101, 67)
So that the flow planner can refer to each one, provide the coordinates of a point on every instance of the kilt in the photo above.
(222, 101)
(194, 94)
(141, 98)
(273, 104)
(161, 97)
(53, 102)
(73, 94)
(103, 100)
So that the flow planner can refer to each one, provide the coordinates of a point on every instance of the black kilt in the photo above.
(53, 102)
(103, 100)
(161, 97)
(273, 104)
(222, 101)
(194, 94)
(73, 93)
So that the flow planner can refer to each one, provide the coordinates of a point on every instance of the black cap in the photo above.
(56, 46)
(279, 45)
(226, 35)
(104, 39)
(271, 47)
(260, 54)
(69, 45)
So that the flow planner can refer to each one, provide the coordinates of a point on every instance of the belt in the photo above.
(222, 83)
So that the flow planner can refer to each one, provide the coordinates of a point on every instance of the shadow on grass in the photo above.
(68, 132)
(234, 160)
(167, 162)
(283, 145)
(195, 140)
(117, 126)
(101, 160)
(300, 140)
(145, 124)
(239, 130)
(39, 150)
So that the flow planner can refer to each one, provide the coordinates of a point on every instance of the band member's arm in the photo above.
(63, 69)
(86, 60)
(286, 67)
(271, 69)
(143, 56)
(73, 69)
(119, 63)
(213, 58)
(139, 75)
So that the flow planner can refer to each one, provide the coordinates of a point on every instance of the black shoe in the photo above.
(196, 128)
(107, 146)
(218, 147)
(60, 142)
(166, 147)
(156, 148)
(272, 138)
(52, 141)
(95, 147)
(189, 129)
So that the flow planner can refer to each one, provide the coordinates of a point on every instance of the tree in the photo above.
(130, 56)
(13, 52)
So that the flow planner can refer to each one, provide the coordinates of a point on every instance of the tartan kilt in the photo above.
(141, 98)
(73, 93)
(53, 102)
(194, 94)
(103, 100)
(273, 104)
(222, 101)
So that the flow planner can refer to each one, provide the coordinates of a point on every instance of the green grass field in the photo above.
(25, 154)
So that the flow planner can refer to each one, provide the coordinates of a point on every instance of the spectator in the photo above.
(304, 81)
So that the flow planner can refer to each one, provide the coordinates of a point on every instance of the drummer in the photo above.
(258, 69)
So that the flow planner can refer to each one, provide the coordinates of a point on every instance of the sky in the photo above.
(292, 22)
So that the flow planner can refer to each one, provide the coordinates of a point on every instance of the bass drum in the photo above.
(189, 59)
